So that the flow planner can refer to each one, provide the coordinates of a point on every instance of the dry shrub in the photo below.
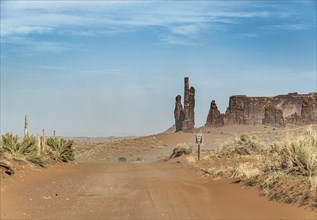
(191, 159)
(270, 180)
(246, 171)
(246, 144)
(291, 160)
(298, 154)
(313, 184)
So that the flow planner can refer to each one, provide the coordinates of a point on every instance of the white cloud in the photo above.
(287, 27)
(247, 35)
(50, 67)
(37, 46)
(99, 18)
(188, 30)
(176, 40)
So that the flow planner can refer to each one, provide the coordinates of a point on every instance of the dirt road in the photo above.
(136, 191)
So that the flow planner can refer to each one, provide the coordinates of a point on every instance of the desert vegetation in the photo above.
(285, 170)
(39, 152)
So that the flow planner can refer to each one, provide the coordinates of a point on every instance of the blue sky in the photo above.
(101, 68)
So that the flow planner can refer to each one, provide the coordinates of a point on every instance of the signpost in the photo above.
(199, 140)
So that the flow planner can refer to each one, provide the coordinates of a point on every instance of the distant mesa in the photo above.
(281, 110)
(290, 109)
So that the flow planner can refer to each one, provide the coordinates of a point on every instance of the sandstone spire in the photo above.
(179, 114)
(189, 105)
(215, 118)
(185, 117)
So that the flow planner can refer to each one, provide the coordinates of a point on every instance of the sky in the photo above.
(113, 68)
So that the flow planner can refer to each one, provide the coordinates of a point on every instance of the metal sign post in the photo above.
(199, 140)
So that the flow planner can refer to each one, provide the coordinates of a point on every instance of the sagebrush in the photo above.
(269, 166)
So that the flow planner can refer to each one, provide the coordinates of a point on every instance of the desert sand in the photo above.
(98, 186)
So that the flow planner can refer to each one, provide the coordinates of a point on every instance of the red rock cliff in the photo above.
(292, 108)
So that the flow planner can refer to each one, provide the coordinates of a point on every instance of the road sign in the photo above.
(199, 139)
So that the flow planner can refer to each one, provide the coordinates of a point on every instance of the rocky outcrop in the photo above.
(179, 114)
(273, 116)
(185, 117)
(292, 108)
(235, 112)
(214, 118)
(309, 110)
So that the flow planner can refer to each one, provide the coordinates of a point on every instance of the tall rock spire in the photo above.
(185, 117)
(179, 113)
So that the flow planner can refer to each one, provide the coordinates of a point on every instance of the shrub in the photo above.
(298, 155)
(1, 148)
(251, 142)
(246, 171)
(25, 150)
(246, 144)
(9, 142)
(60, 149)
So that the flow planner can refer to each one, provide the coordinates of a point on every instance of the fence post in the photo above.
(43, 141)
(26, 125)
(39, 150)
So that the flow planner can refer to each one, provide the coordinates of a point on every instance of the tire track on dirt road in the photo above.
(138, 190)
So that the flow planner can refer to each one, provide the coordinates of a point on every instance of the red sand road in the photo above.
(136, 191)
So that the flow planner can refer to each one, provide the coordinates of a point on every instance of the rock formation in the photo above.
(234, 113)
(185, 117)
(214, 118)
(309, 110)
(179, 114)
(189, 106)
(292, 108)
(273, 116)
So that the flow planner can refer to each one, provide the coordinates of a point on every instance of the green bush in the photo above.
(24, 150)
(26, 147)
(61, 149)
(28, 151)
(10, 142)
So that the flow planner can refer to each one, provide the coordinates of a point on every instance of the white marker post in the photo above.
(199, 140)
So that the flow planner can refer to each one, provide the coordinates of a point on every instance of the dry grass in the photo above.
(246, 171)
(244, 145)
(270, 165)
(297, 154)
(313, 184)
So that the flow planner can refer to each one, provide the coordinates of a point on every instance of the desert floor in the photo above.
(97, 186)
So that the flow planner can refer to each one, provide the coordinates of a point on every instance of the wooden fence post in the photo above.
(39, 149)
(43, 141)
(26, 125)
